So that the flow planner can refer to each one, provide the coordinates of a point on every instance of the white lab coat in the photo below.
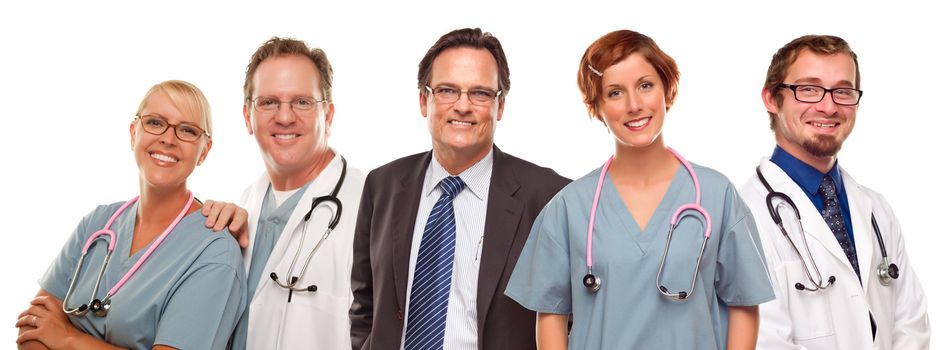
(838, 317)
(317, 320)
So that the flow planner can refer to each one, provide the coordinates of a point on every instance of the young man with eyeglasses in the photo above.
(834, 248)
(439, 232)
(302, 211)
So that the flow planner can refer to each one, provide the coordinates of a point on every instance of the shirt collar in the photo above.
(476, 178)
(803, 174)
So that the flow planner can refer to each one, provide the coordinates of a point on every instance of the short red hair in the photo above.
(614, 47)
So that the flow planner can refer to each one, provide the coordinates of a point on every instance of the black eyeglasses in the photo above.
(447, 94)
(816, 93)
(156, 125)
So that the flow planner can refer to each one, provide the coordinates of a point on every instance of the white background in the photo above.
(73, 73)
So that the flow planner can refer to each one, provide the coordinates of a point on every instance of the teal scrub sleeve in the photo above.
(205, 305)
(541, 279)
(741, 278)
(58, 275)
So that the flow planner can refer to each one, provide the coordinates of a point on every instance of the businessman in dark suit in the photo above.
(438, 233)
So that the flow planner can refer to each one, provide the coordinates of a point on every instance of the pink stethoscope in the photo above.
(593, 282)
(101, 307)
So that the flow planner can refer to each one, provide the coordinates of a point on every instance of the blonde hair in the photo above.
(186, 97)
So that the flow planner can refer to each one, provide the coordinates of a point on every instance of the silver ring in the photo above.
(33, 321)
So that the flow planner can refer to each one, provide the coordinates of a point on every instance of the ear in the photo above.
(247, 120)
(500, 107)
(329, 114)
(131, 133)
(423, 103)
(207, 148)
(769, 100)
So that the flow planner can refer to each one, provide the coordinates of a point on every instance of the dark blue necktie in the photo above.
(834, 218)
(431, 286)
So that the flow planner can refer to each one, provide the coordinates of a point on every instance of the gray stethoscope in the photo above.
(593, 282)
(886, 271)
(333, 199)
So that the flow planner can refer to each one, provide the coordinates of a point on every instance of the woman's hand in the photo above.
(45, 321)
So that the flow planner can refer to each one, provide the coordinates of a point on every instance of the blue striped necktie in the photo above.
(431, 286)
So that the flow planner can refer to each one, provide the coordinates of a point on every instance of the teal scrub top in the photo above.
(270, 226)
(188, 294)
(628, 312)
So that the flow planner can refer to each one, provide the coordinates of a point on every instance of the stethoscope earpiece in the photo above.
(592, 283)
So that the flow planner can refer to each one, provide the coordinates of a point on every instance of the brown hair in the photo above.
(818, 44)
(186, 97)
(471, 38)
(276, 47)
(614, 47)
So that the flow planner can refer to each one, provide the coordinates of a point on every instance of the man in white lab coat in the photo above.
(834, 288)
(301, 212)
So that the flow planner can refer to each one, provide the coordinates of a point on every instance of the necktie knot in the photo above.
(827, 188)
(451, 186)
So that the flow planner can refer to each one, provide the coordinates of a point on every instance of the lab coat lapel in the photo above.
(860, 213)
(504, 212)
(403, 225)
(813, 224)
(254, 203)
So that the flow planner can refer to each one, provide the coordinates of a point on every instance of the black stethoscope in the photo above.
(886, 271)
(333, 199)
(593, 282)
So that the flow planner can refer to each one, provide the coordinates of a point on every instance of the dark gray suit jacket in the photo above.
(383, 235)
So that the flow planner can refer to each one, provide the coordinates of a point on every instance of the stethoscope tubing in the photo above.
(332, 198)
(593, 283)
(106, 301)
(886, 271)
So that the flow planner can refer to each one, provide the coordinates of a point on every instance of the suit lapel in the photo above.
(403, 223)
(503, 218)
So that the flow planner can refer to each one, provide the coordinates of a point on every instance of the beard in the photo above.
(822, 146)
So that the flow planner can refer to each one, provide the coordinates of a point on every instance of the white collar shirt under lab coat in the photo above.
(470, 213)
(317, 320)
(838, 317)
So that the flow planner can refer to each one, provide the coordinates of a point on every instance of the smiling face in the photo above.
(633, 102)
(291, 141)
(814, 130)
(462, 127)
(164, 161)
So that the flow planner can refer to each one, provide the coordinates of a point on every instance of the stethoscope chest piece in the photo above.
(592, 282)
(100, 308)
(887, 272)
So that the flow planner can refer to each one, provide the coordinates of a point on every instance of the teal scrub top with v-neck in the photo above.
(628, 312)
(188, 294)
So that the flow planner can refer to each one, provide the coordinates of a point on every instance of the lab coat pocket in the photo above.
(323, 321)
(810, 312)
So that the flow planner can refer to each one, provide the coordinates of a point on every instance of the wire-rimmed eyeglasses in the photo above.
(447, 94)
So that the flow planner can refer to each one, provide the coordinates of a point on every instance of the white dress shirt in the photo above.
(470, 214)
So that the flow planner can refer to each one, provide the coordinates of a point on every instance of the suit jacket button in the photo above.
(400, 314)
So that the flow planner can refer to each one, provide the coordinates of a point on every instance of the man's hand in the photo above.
(223, 214)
